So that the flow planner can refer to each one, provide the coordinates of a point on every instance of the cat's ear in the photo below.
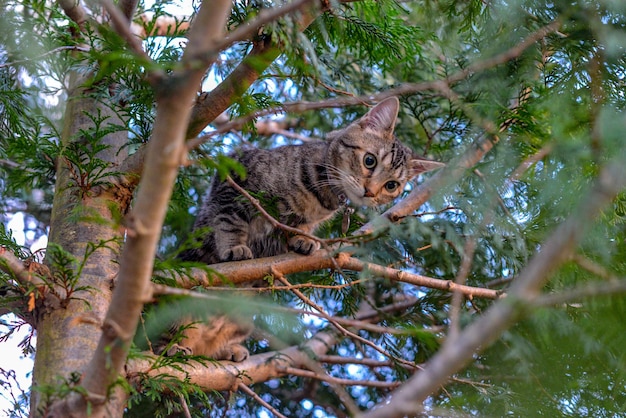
(382, 117)
(421, 165)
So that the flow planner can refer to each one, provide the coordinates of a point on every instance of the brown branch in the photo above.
(238, 272)
(361, 361)
(557, 249)
(75, 11)
(528, 162)
(227, 375)
(245, 389)
(594, 268)
(577, 294)
(336, 324)
(26, 277)
(461, 279)
(345, 382)
(136, 260)
(249, 29)
(128, 8)
(121, 25)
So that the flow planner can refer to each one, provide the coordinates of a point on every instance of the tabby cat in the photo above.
(363, 164)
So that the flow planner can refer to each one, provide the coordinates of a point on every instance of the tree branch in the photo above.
(74, 10)
(227, 375)
(12, 265)
(345, 382)
(455, 354)
(239, 272)
(136, 261)
(121, 25)
(245, 389)
(128, 8)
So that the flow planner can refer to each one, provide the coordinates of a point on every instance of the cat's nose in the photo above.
(368, 193)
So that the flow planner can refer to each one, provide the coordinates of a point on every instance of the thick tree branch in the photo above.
(227, 375)
(136, 262)
(12, 265)
(455, 354)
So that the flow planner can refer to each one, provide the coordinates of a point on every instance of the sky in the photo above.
(11, 356)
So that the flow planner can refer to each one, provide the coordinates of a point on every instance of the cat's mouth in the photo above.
(361, 199)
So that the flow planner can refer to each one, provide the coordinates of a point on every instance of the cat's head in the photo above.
(367, 163)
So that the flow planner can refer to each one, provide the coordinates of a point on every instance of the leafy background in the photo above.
(564, 96)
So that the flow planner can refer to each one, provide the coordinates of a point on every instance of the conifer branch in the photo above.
(12, 265)
(557, 249)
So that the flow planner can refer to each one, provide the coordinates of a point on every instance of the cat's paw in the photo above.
(236, 253)
(303, 245)
(175, 348)
(239, 353)
(233, 352)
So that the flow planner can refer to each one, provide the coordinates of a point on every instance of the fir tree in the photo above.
(493, 287)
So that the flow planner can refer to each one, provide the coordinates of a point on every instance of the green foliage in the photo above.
(556, 108)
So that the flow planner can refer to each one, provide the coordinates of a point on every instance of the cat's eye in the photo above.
(391, 186)
(369, 161)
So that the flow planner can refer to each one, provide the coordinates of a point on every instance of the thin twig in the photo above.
(275, 223)
(248, 29)
(335, 323)
(461, 278)
(361, 361)
(594, 268)
(244, 388)
(81, 48)
(346, 382)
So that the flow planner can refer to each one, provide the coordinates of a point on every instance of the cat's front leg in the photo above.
(303, 245)
(231, 236)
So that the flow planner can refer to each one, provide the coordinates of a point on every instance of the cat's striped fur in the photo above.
(305, 185)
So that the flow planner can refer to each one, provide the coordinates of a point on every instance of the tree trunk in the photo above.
(68, 330)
